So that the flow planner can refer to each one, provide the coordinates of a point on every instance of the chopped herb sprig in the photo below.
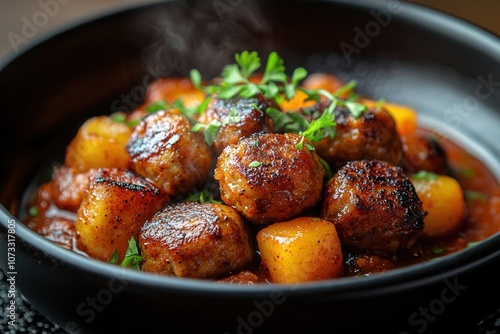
(132, 257)
(239, 79)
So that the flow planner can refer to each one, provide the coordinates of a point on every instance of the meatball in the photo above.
(113, 210)
(268, 179)
(68, 187)
(371, 136)
(239, 117)
(164, 150)
(196, 240)
(374, 207)
(423, 153)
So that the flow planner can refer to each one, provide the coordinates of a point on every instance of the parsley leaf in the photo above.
(425, 176)
(475, 195)
(274, 84)
(255, 163)
(202, 196)
(132, 257)
(114, 257)
(209, 130)
(236, 78)
(321, 128)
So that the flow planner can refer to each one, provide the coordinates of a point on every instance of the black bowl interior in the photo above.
(445, 68)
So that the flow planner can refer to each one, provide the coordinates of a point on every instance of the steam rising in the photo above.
(203, 35)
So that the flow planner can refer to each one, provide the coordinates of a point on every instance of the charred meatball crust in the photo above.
(164, 150)
(239, 117)
(374, 207)
(196, 240)
(268, 179)
(371, 136)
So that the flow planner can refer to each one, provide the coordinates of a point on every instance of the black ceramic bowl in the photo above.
(447, 69)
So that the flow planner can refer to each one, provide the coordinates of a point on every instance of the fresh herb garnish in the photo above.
(437, 250)
(202, 196)
(473, 243)
(114, 257)
(236, 79)
(475, 195)
(321, 128)
(33, 211)
(210, 130)
(157, 106)
(424, 176)
(466, 172)
(120, 117)
(328, 170)
(132, 257)
(255, 163)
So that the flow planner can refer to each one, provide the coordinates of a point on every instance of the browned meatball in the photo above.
(366, 264)
(374, 207)
(68, 187)
(196, 240)
(423, 153)
(164, 150)
(238, 117)
(268, 179)
(372, 136)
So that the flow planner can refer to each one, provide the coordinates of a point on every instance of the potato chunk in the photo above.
(301, 250)
(116, 205)
(99, 143)
(196, 240)
(68, 188)
(443, 199)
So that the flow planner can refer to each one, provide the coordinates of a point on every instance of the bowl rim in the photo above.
(392, 281)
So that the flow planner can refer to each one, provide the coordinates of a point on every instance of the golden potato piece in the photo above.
(301, 250)
(99, 143)
(115, 207)
(443, 199)
(196, 240)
